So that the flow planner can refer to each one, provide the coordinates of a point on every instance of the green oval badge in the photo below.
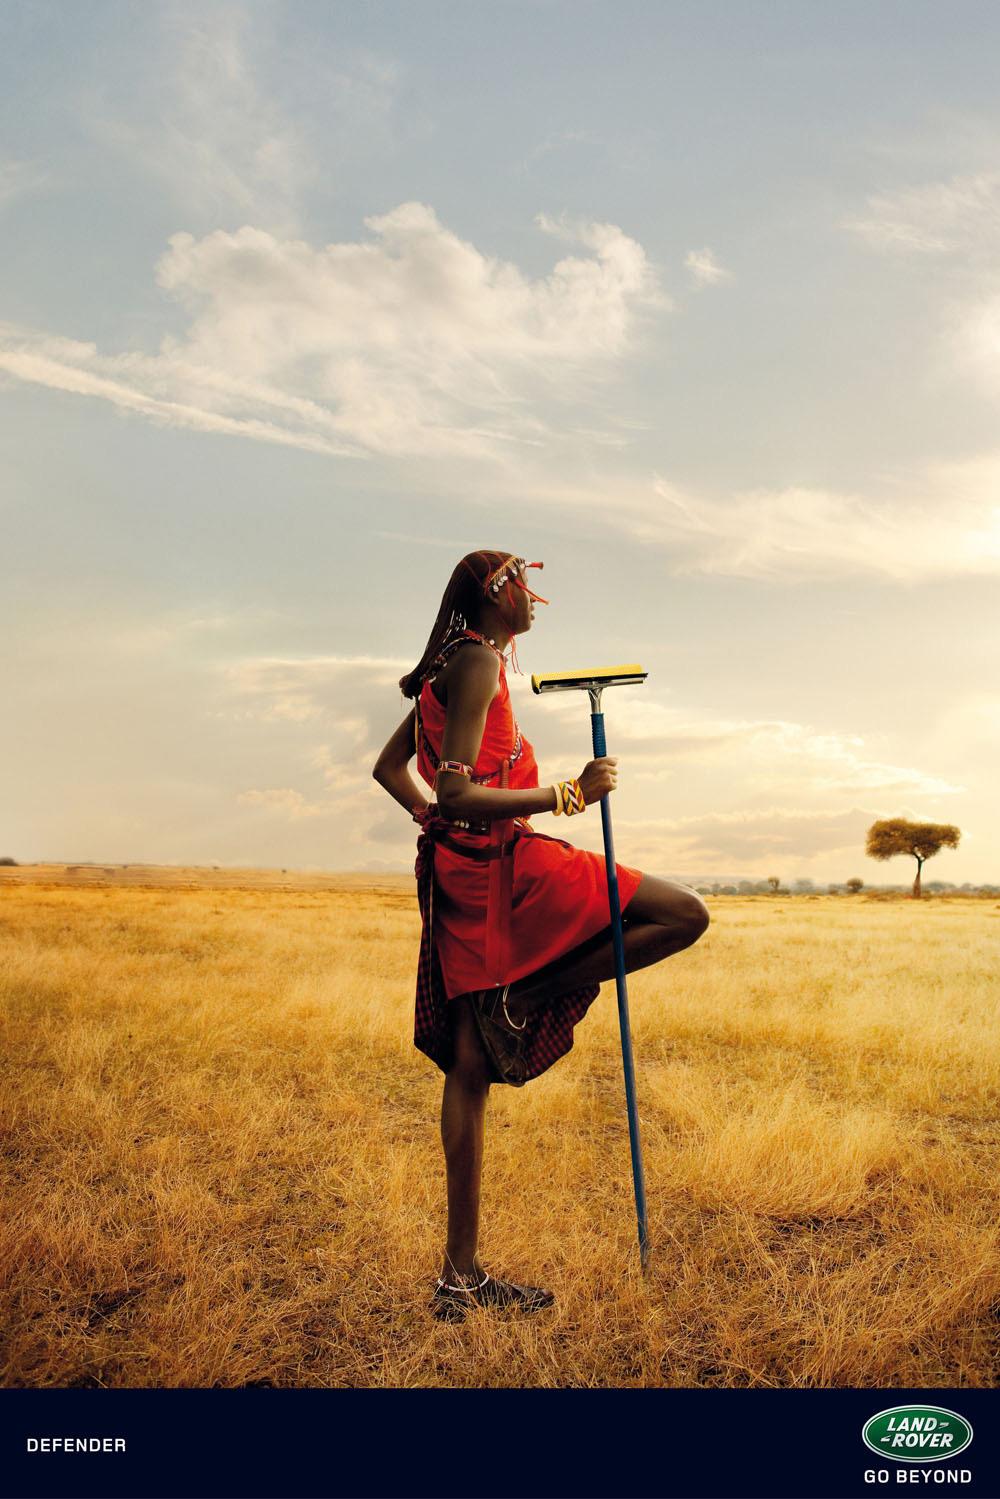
(917, 1433)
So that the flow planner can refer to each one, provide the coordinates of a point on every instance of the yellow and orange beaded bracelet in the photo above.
(569, 798)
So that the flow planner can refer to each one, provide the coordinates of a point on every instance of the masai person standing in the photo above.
(516, 935)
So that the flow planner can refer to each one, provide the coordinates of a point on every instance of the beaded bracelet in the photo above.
(570, 797)
(573, 797)
(457, 766)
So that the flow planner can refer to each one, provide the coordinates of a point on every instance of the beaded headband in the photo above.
(508, 572)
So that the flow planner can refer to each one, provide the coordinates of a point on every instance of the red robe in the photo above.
(490, 920)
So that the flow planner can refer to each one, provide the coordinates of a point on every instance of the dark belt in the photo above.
(481, 826)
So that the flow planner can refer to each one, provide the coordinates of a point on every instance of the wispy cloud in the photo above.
(955, 223)
(205, 120)
(757, 755)
(237, 112)
(560, 140)
(339, 710)
(705, 269)
(937, 520)
(343, 689)
(65, 364)
(960, 213)
(412, 342)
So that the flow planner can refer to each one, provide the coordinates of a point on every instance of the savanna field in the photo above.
(222, 1164)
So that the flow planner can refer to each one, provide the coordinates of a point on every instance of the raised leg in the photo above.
(661, 918)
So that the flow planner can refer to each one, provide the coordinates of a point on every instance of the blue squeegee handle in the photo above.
(618, 939)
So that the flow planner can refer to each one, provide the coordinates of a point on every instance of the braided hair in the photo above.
(460, 604)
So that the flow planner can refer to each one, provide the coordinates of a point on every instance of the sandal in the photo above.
(503, 1041)
(450, 1303)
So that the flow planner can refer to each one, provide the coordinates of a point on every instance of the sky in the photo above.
(698, 304)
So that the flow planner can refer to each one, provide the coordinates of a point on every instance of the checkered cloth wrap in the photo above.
(549, 1032)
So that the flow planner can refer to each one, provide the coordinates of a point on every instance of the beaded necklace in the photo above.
(454, 640)
(483, 640)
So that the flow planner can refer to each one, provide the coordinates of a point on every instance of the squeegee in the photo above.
(594, 682)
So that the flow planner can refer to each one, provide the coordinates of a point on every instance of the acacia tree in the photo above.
(774, 880)
(921, 840)
(854, 885)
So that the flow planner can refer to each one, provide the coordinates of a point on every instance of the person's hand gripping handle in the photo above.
(598, 777)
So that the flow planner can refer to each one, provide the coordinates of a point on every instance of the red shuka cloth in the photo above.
(554, 897)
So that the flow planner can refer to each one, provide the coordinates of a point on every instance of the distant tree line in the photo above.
(799, 889)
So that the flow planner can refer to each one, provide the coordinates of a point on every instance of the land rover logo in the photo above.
(917, 1433)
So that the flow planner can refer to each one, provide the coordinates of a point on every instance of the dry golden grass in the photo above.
(223, 1164)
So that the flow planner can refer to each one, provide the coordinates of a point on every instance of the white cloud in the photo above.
(934, 218)
(940, 519)
(705, 269)
(412, 342)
